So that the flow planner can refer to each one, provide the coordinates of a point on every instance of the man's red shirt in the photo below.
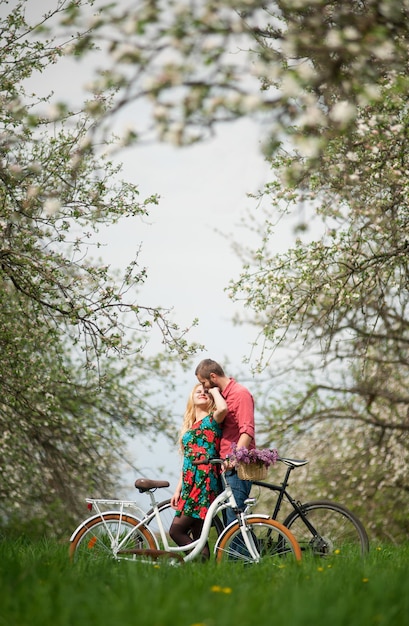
(239, 418)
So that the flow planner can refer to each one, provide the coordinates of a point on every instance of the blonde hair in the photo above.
(189, 416)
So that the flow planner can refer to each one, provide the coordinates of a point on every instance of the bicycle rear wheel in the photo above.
(271, 541)
(106, 536)
(338, 531)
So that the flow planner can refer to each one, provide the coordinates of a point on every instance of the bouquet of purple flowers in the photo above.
(252, 455)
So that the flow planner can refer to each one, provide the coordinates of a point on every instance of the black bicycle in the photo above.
(321, 527)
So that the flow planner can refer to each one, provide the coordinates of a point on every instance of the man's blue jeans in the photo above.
(241, 491)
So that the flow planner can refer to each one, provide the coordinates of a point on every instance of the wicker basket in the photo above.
(251, 471)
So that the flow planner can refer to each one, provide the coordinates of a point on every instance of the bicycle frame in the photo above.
(282, 492)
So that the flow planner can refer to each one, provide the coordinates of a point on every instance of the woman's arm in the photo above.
(221, 405)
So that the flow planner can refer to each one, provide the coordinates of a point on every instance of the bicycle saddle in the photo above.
(145, 484)
(293, 462)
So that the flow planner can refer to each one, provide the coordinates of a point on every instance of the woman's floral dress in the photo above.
(199, 482)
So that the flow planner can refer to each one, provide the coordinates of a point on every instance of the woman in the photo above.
(198, 484)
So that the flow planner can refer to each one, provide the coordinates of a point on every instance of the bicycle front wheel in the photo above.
(111, 536)
(269, 539)
(337, 530)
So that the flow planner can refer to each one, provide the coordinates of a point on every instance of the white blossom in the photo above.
(68, 49)
(343, 112)
(125, 52)
(51, 206)
(35, 167)
(351, 33)
(306, 71)
(385, 51)
(130, 26)
(251, 102)
(53, 112)
(84, 143)
(308, 146)
(397, 128)
(313, 116)
(33, 191)
(74, 161)
(160, 112)
(290, 86)
(15, 169)
(334, 39)
(175, 134)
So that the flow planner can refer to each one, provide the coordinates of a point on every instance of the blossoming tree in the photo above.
(75, 374)
(328, 82)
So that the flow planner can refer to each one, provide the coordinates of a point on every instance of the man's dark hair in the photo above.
(207, 367)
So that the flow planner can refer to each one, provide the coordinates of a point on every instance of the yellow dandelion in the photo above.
(320, 569)
(365, 580)
(337, 551)
(218, 589)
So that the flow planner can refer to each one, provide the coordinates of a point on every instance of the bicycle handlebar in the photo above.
(205, 460)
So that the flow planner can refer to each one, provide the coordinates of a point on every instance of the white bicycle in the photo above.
(127, 532)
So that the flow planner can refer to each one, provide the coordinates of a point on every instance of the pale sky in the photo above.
(202, 188)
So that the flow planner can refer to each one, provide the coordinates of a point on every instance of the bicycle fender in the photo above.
(249, 517)
(252, 516)
(99, 515)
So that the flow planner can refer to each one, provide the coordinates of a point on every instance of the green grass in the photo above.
(39, 586)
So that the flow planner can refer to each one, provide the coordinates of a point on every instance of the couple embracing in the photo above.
(219, 413)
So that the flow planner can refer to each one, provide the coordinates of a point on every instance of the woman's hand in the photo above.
(214, 392)
(174, 501)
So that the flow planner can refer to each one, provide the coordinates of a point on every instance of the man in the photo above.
(238, 426)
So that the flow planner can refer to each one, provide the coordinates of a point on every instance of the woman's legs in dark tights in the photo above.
(185, 529)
